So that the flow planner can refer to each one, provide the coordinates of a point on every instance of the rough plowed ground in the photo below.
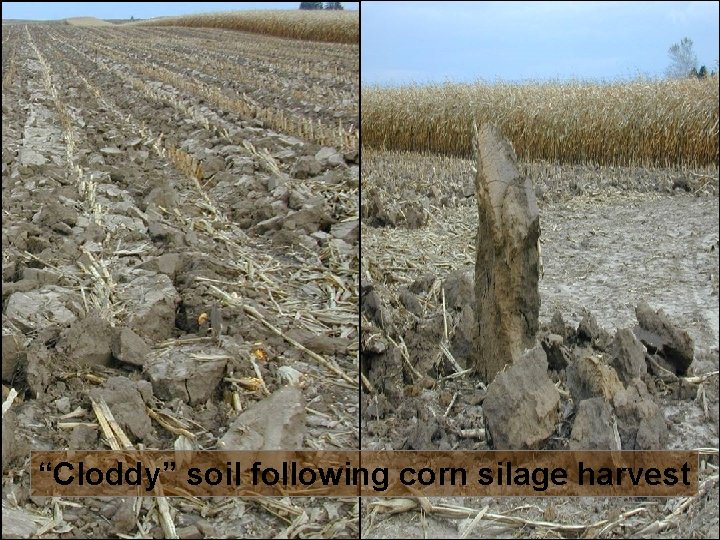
(180, 240)
(611, 239)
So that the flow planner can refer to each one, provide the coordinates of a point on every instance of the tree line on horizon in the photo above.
(684, 62)
(321, 5)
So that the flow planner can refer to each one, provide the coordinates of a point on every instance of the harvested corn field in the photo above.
(618, 243)
(644, 123)
(314, 25)
(180, 251)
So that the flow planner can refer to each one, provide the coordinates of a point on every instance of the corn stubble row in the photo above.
(644, 123)
(345, 138)
(314, 25)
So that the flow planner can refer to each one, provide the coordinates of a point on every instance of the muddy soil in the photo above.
(165, 251)
(609, 242)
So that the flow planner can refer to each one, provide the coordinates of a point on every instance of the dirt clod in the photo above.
(658, 333)
(306, 166)
(43, 307)
(9, 448)
(83, 438)
(521, 404)
(459, 288)
(640, 420)
(628, 356)
(507, 257)
(275, 423)
(18, 523)
(595, 426)
(590, 331)
(126, 403)
(14, 354)
(589, 377)
(151, 300)
(558, 355)
(87, 342)
(128, 347)
(191, 373)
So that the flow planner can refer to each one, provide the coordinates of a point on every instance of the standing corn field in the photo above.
(644, 123)
(316, 25)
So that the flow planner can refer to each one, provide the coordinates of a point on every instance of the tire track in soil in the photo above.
(41, 139)
(14, 90)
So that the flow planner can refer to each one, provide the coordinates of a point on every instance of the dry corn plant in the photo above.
(192, 168)
(101, 296)
(265, 158)
(665, 123)
(9, 75)
(87, 187)
(61, 109)
(185, 162)
(158, 146)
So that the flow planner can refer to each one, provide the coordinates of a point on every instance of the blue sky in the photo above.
(123, 10)
(466, 41)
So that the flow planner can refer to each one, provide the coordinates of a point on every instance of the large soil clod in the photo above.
(521, 406)
(508, 257)
(275, 423)
(660, 335)
(595, 426)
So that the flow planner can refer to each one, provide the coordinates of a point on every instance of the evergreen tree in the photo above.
(311, 5)
(333, 5)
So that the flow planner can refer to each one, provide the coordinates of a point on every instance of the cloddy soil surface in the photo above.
(612, 238)
(180, 242)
